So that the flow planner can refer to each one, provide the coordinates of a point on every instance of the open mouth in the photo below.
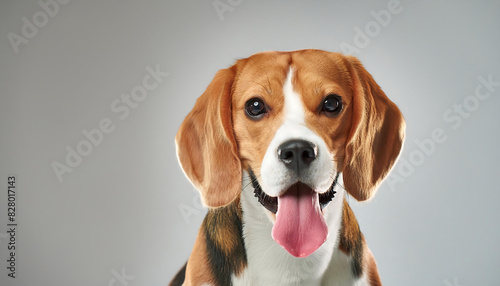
(271, 203)
(299, 227)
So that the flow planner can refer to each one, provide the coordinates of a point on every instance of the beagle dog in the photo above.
(275, 145)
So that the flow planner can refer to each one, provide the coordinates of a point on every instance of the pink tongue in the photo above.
(299, 227)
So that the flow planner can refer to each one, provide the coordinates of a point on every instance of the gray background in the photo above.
(120, 208)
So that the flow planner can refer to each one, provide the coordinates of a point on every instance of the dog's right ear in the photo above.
(206, 147)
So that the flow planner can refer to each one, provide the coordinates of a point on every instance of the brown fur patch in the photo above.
(219, 249)
(222, 227)
(198, 269)
(179, 278)
(352, 240)
(371, 267)
(224, 240)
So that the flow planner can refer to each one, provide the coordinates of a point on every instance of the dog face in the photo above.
(293, 121)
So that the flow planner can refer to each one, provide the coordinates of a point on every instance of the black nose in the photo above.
(297, 154)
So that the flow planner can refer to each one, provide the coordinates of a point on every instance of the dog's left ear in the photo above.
(376, 136)
(206, 146)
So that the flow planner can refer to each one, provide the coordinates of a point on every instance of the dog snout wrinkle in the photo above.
(297, 155)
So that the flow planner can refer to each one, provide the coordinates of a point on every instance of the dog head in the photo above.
(293, 121)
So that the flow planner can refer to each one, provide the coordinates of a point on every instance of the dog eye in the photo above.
(255, 108)
(332, 105)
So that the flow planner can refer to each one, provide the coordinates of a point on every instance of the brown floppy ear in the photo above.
(376, 136)
(206, 146)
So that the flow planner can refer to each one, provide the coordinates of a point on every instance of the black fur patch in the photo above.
(224, 241)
